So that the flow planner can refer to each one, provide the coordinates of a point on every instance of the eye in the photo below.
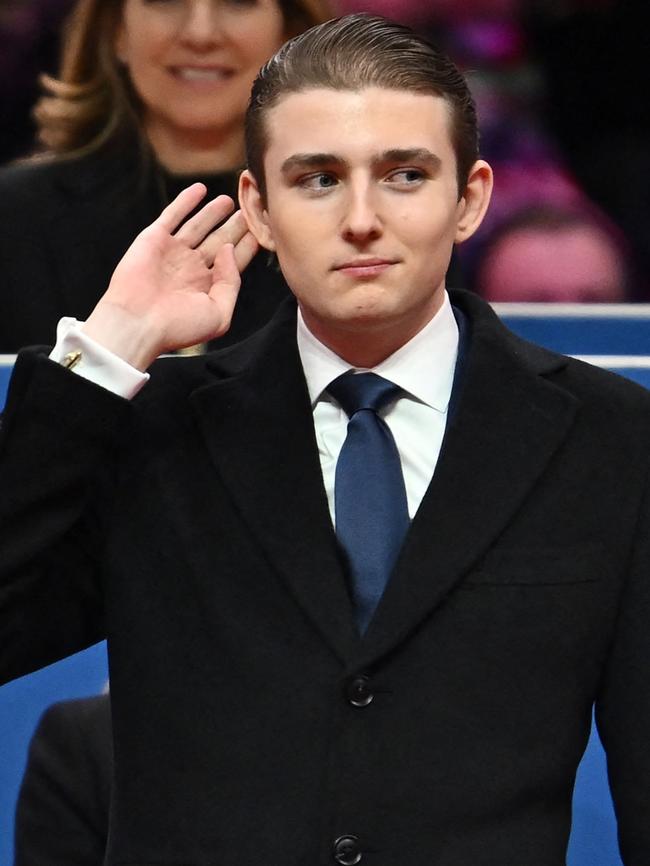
(406, 177)
(318, 182)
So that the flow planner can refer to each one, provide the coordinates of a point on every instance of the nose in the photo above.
(361, 221)
(201, 23)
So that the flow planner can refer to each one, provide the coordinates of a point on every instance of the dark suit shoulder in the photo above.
(609, 394)
(78, 734)
(34, 180)
(64, 801)
(18, 176)
(40, 199)
(28, 198)
(74, 174)
(592, 382)
(90, 715)
(585, 381)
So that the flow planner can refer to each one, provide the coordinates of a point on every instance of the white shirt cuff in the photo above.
(95, 363)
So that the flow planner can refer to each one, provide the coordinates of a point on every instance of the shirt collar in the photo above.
(424, 367)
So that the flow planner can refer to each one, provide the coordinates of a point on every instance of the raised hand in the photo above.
(175, 287)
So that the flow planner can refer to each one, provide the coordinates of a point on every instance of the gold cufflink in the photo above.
(71, 360)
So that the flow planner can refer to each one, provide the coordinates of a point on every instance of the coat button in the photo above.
(347, 851)
(358, 692)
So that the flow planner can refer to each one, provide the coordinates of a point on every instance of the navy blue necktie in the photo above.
(369, 493)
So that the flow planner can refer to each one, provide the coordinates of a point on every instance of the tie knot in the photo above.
(356, 391)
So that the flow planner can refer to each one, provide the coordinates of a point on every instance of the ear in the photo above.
(475, 200)
(254, 210)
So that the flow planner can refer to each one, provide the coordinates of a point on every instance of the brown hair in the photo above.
(352, 53)
(92, 100)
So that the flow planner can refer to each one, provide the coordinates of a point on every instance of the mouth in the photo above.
(202, 74)
(365, 267)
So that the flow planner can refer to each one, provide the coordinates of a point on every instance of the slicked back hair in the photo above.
(353, 53)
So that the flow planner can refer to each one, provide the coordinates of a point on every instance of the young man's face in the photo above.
(362, 210)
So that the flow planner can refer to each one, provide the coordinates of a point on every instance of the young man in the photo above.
(376, 641)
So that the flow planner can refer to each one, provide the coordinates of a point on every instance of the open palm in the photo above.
(177, 286)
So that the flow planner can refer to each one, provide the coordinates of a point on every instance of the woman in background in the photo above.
(150, 98)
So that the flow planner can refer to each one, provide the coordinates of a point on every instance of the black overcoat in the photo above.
(252, 726)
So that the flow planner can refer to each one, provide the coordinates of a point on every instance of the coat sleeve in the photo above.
(58, 445)
(64, 801)
(623, 705)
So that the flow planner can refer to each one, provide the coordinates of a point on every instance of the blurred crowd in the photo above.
(557, 84)
(29, 45)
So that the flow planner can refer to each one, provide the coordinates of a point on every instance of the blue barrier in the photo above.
(6, 363)
(582, 329)
(616, 337)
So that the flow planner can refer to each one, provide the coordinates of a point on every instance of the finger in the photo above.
(234, 229)
(201, 224)
(225, 287)
(184, 203)
(231, 232)
(245, 250)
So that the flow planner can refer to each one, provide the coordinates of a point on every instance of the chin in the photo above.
(368, 319)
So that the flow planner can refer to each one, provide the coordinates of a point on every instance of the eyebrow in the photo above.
(411, 154)
(419, 155)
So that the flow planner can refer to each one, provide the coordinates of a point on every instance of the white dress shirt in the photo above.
(423, 368)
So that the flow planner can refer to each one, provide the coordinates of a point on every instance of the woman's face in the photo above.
(192, 62)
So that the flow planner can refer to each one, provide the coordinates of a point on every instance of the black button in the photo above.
(347, 851)
(358, 692)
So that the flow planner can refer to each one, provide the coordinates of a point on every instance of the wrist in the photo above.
(124, 334)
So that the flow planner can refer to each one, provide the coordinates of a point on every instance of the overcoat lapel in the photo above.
(509, 422)
(257, 424)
